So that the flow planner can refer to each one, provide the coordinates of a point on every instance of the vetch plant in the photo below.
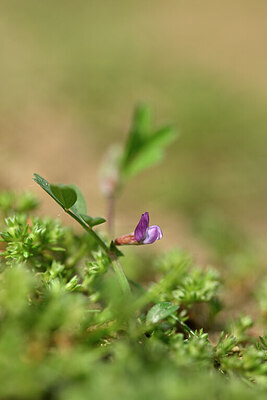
(70, 326)
(143, 148)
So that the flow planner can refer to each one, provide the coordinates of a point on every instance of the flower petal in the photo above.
(153, 233)
(141, 228)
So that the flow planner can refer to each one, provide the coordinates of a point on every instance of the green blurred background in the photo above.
(70, 75)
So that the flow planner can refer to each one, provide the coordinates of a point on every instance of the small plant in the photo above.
(71, 328)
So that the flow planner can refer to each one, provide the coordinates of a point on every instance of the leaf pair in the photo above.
(144, 147)
(69, 197)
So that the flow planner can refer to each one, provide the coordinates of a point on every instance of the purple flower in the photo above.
(147, 234)
(143, 233)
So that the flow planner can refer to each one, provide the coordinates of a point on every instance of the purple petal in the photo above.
(153, 233)
(141, 228)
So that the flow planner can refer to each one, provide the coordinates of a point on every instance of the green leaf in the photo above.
(92, 221)
(140, 129)
(144, 147)
(159, 312)
(80, 206)
(64, 194)
(162, 137)
(65, 198)
(43, 183)
(145, 159)
(142, 120)
(46, 186)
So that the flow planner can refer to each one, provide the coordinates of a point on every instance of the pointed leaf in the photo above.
(140, 129)
(97, 221)
(46, 186)
(162, 137)
(145, 159)
(92, 221)
(142, 120)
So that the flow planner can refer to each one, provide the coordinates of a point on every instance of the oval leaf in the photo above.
(64, 194)
(159, 312)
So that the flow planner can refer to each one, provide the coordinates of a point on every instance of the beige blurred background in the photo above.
(70, 76)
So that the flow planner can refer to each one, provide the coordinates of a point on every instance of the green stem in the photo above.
(184, 326)
(114, 259)
(110, 214)
(90, 231)
(121, 276)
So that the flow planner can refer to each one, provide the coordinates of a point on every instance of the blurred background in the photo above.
(70, 76)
